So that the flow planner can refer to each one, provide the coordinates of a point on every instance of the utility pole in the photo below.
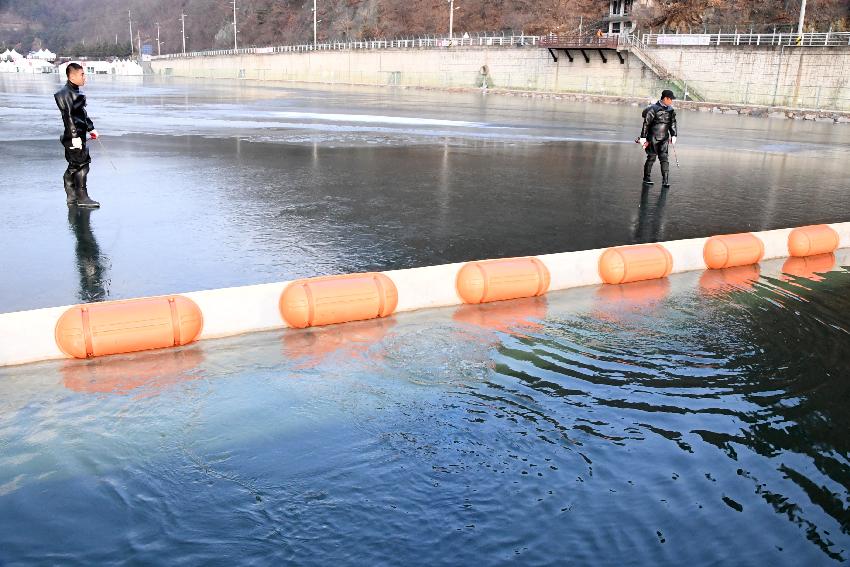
(158, 43)
(139, 39)
(315, 24)
(802, 18)
(451, 17)
(183, 20)
(130, 19)
(234, 25)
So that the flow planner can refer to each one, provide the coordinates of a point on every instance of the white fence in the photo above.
(829, 39)
(413, 43)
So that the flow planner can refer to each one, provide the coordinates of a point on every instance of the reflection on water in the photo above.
(607, 425)
(729, 279)
(650, 222)
(287, 182)
(317, 346)
(151, 371)
(809, 267)
(92, 264)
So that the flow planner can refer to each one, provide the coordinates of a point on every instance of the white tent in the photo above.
(14, 55)
(33, 66)
(43, 54)
(5, 55)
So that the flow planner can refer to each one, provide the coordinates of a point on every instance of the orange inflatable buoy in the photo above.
(730, 250)
(635, 263)
(498, 280)
(116, 327)
(812, 240)
(338, 299)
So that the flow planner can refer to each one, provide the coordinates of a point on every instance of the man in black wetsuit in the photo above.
(72, 106)
(658, 132)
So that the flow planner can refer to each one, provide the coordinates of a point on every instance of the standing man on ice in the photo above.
(72, 106)
(658, 132)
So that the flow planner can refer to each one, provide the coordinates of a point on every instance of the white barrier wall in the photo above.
(29, 336)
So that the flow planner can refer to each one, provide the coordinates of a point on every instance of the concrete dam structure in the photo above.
(776, 70)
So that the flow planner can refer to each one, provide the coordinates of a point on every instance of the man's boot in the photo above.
(83, 199)
(70, 195)
(665, 174)
(647, 171)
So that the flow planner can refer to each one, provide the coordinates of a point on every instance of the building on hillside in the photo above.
(619, 18)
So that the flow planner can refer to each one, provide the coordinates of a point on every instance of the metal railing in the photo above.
(828, 39)
(584, 41)
(577, 41)
(435, 42)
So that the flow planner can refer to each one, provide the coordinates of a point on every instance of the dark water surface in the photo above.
(230, 183)
(698, 420)
(670, 423)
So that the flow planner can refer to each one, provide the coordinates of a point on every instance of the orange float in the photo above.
(730, 250)
(116, 327)
(498, 280)
(337, 299)
(809, 267)
(812, 240)
(635, 263)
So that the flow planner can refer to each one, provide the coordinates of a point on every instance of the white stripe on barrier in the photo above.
(423, 288)
(573, 269)
(687, 254)
(238, 310)
(28, 336)
(843, 230)
(775, 243)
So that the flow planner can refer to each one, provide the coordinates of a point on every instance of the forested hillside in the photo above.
(72, 27)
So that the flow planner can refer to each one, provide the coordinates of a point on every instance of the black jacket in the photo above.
(658, 120)
(72, 106)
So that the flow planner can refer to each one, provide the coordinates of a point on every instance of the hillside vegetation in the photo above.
(101, 27)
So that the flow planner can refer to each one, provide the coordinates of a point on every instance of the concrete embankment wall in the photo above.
(794, 77)
(812, 78)
(527, 69)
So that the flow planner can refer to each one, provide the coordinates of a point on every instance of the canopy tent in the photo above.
(44, 54)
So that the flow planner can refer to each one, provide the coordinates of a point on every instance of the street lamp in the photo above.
(130, 19)
(234, 25)
(315, 24)
(452, 17)
(183, 20)
(802, 18)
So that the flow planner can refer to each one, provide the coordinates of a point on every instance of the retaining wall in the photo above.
(812, 78)
(794, 77)
(501, 68)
